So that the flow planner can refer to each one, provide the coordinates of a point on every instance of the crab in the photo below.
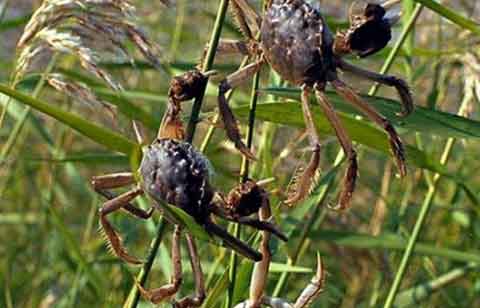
(294, 39)
(173, 171)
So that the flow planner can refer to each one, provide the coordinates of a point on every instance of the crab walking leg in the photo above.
(227, 47)
(260, 270)
(262, 225)
(171, 126)
(129, 207)
(252, 222)
(230, 47)
(314, 288)
(114, 239)
(232, 242)
(114, 180)
(346, 143)
(199, 297)
(247, 18)
(395, 142)
(158, 295)
(233, 81)
(388, 80)
(308, 175)
(308, 295)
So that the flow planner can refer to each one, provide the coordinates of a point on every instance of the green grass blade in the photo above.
(103, 136)
(421, 292)
(392, 242)
(360, 131)
(451, 15)
(423, 120)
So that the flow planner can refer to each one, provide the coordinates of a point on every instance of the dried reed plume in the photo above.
(91, 30)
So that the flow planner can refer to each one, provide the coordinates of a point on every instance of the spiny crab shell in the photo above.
(297, 42)
(174, 172)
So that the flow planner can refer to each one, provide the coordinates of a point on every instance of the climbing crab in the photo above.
(173, 172)
(294, 39)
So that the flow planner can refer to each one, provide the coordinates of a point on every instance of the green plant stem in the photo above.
(13, 137)
(177, 35)
(244, 173)
(424, 210)
(418, 293)
(207, 65)
(134, 295)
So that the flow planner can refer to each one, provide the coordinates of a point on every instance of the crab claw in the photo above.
(314, 288)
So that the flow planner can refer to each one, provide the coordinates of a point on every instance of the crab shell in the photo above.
(297, 42)
(174, 172)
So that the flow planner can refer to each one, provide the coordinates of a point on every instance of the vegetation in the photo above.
(69, 92)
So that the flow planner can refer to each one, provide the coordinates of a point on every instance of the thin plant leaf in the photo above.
(100, 135)
(391, 242)
(451, 15)
(423, 120)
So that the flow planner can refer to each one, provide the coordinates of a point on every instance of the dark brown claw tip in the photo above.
(349, 185)
(406, 98)
(245, 151)
(306, 179)
(399, 154)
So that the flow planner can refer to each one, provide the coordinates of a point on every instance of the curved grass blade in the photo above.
(360, 131)
(422, 120)
(100, 135)
(391, 242)
(423, 291)
(83, 158)
(451, 15)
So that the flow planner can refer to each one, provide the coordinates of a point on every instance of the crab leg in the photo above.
(246, 17)
(395, 143)
(158, 295)
(308, 295)
(171, 126)
(232, 242)
(230, 47)
(314, 288)
(306, 178)
(199, 297)
(260, 270)
(262, 225)
(233, 81)
(114, 180)
(227, 47)
(129, 207)
(252, 222)
(346, 143)
(392, 81)
(114, 239)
